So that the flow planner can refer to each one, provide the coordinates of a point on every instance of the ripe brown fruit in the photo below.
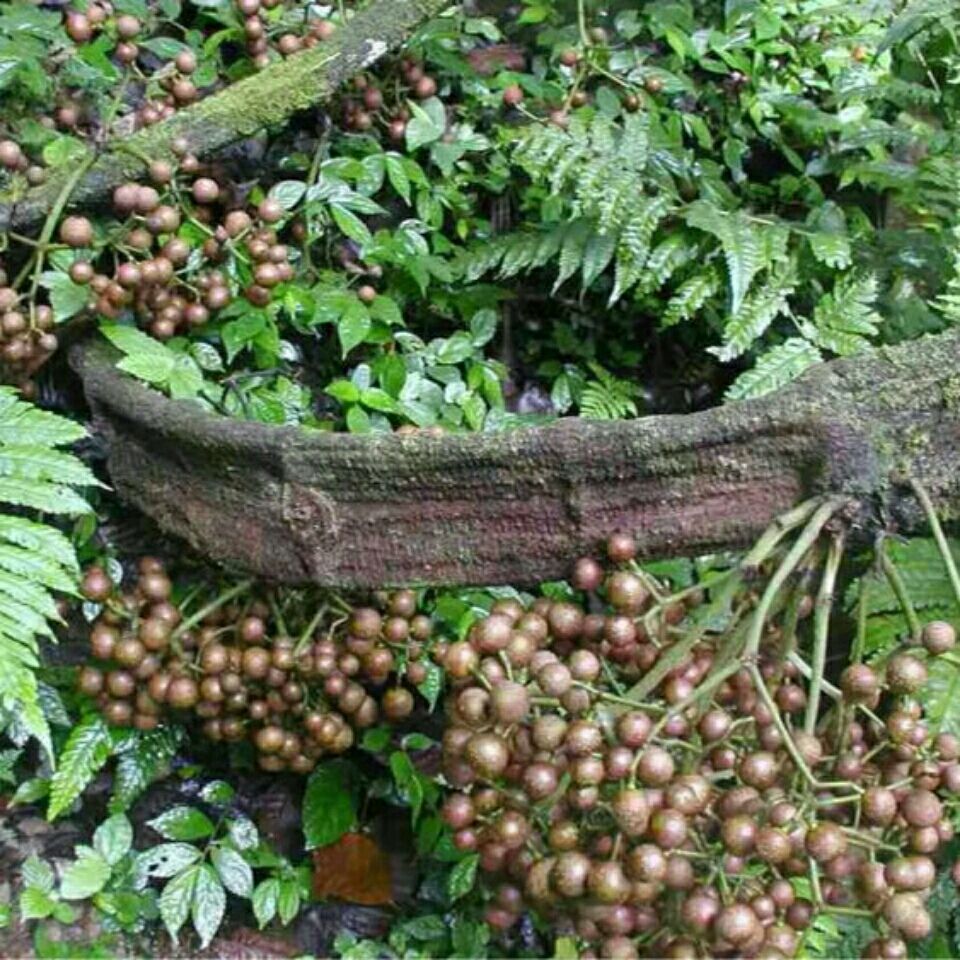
(487, 754)
(905, 673)
(96, 585)
(513, 95)
(182, 693)
(939, 637)
(631, 811)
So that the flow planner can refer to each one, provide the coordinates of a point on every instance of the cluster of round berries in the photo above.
(627, 777)
(293, 700)
(148, 282)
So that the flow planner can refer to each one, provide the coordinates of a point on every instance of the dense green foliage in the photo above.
(532, 210)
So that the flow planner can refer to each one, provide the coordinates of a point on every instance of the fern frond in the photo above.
(690, 298)
(608, 397)
(776, 368)
(86, 751)
(756, 315)
(35, 559)
(844, 321)
(741, 241)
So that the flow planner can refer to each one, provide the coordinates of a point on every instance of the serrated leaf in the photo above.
(140, 760)
(353, 326)
(177, 899)
(37, 873)
(265, 898)
(351, 225)
(233, 870)
(288, 899)
(35, 904)
(113, 838)
(288, 193)
(87, 875)
(741, 243)
(397, 176)
(84, 754)
(209, 903)
(66, 297)
(463, 877)
(166, 859)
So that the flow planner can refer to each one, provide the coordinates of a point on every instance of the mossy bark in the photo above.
(266, 99)
(335, 509)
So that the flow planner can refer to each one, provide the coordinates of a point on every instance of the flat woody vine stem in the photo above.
(266, 99)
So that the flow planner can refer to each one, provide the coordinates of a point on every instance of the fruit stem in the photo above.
(937, 531)
(789, 563)
(821, 620)
(859, 641)
(815, 883)
(308, 631)
(777, 530)
(900, 590)
(214, 604)
(828, 688)
(277, 614)
(49, 225)
(795, 755)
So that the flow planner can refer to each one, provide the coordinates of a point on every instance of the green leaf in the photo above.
(288, 899)
(330, 803)
(87, 875)
(37, 873)
(66, 297)
(182, 823)
(343, 390)
(463, 877)
(432, 685)
(35, 904)
(233, 870)
(166, 859)
(408, 783)
(353, 327)
(397, 176)
(217, 792)
(427, 123)
(351, 225)
(741, 244)
(209, 903)
(243, 833)
(113, 838)
(85, 752)
(288, 193)
(177, 899)
(265, 898)
(142, 758)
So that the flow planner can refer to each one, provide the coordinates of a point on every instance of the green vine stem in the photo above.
(789, 563)
(778, 529)
(938, 535)
(900, 590)
(50, 224)
(213, 605)
(821, 630)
